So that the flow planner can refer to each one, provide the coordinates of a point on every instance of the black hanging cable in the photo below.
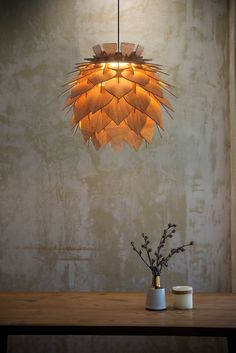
(118, 26)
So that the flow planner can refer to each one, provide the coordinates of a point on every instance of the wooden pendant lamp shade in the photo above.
(117, 97)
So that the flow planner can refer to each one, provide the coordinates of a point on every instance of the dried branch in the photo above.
(156, 264)
(139, 252)
(165, 260)
(148, 250)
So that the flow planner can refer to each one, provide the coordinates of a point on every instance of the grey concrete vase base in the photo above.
(156, 299)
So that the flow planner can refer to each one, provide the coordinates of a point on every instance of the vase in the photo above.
(156, 297)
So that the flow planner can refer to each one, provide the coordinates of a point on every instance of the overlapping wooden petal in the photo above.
(81, 108)
(69, 101)
(136, 121)
(118, 86)
(97, 98)
(86, 128)
(148, 70)
(135, 76)
(127, 48)
(139, 50)
(118, 110)
(99, 120)
(87, 72)
(133, 140)
(101, 76)
(147, 131)
(83, 67)
(120, 66)
(103, 138)
(165, 102)
(80, 88)
(96, 142)
(110, 48)
(161, 83)
(97, 50)
(117, 134)
(139, 99)
(154, 112)
(153, 88)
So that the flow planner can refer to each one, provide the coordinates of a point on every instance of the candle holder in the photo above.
(183, 297)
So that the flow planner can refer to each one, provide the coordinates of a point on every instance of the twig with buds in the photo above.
(156, 264)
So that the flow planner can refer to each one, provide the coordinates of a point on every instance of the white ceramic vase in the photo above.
(156, 299)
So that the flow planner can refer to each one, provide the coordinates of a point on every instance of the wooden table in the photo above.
(97, 313)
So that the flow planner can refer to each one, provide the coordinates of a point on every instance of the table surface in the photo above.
(115, 313)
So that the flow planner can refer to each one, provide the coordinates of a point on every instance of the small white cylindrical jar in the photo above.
(183, 297)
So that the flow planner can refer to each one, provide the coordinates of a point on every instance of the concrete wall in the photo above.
(232, 115)
(68, 213)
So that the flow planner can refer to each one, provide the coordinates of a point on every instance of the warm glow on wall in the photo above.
(117, 97)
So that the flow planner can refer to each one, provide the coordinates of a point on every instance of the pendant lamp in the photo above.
(118, 97)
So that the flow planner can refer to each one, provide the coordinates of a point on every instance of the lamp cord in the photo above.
(118, 25)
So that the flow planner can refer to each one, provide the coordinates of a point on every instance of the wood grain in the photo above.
(212, 313)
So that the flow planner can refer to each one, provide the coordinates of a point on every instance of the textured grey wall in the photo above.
(68, 213)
